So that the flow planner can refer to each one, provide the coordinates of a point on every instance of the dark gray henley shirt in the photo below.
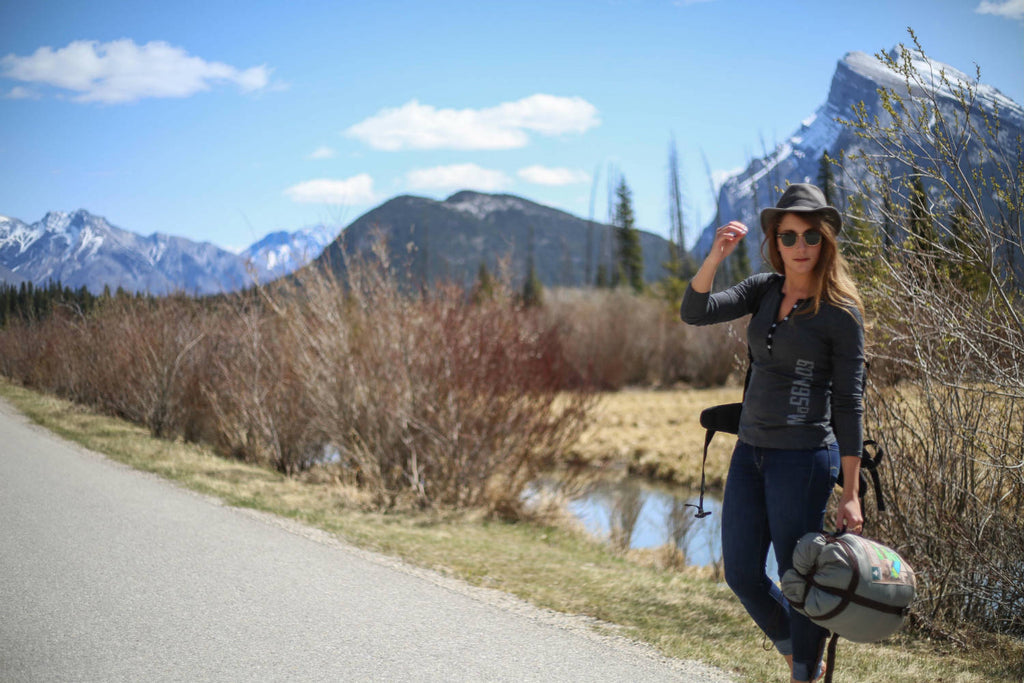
(809, 381)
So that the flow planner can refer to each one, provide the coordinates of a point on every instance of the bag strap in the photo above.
(701, 512)
(830, 660)
(709, 434)
(849, 594)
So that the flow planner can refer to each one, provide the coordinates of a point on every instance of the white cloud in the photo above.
(457, 177)
(19, 92)
(121, 71)
(1011, 9)
(355, 190)
(543, 175)
(506, 126)
(322, 153)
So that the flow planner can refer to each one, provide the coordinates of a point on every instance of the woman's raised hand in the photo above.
(726, 239)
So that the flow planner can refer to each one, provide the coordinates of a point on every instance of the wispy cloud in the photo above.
(506, 126)
(1011, 9)
(122, 71)
(457, 177)
(322, 153)
(350, 191)
(544, 175)
(19, 92)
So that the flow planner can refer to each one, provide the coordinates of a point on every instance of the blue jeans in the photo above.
(775, 496)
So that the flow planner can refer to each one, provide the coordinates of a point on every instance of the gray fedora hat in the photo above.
(802, 198)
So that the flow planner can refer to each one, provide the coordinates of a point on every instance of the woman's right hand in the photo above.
(727, 238)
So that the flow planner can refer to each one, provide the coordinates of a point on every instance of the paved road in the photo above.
(109, 574)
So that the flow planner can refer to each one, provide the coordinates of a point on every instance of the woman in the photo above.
(802, 410)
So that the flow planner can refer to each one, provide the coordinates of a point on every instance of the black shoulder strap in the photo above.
(723, 418)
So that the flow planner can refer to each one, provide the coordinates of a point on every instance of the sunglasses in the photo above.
(812, 238)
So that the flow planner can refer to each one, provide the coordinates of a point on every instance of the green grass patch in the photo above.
(549, 564)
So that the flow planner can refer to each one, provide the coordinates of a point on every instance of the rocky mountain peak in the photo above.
(857, 79)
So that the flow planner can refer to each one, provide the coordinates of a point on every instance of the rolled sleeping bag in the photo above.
(850, 585)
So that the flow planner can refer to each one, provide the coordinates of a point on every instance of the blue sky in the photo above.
(223, 121)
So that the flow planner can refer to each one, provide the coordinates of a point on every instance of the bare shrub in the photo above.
(615, 338)
(937, 239)
(428, 397)
(129, 358)
(135, 356)
(259, 407)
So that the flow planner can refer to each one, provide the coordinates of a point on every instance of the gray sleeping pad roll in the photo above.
(850, 585)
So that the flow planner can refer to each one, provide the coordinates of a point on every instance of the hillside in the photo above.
(431, 241)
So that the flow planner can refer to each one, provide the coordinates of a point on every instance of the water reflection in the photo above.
(632, 512)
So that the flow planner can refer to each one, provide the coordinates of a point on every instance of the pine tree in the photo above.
(483, 290)
(827, 179)
(923, 236)
(630, 254)
(969, 271)
(533, 290)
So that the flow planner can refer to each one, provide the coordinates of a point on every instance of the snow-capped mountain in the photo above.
(857, 78)
(80, 249)
(282, 252)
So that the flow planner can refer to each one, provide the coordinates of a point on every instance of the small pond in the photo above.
(634, 512)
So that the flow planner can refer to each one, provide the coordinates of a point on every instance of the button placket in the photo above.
(775, 324)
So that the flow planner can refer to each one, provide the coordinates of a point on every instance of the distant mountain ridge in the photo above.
(430, 240)
(857, 78)
(282, 252)
(81, 249)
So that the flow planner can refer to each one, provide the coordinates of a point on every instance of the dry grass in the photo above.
(657, 433)
(680, 613)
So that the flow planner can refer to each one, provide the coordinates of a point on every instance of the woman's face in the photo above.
(800, 258)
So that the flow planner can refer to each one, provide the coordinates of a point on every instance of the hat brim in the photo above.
(831, 215)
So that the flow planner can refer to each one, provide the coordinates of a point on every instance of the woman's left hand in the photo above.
(849, 515)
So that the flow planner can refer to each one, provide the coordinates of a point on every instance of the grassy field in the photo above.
(545, 561)
(658, 434)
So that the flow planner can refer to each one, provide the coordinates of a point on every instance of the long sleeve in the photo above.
(737, 301)
(848, 383)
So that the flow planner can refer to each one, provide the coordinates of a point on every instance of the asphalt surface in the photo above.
(110, 574)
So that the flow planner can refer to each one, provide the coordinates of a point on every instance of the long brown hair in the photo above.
(832, 281)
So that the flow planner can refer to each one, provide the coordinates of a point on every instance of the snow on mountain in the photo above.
(282, 252)
(79, 248)
(480, 205)
(857, 78)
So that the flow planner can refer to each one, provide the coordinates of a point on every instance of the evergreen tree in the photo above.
(969, 271)
(533, 290)
(483, 290)
(630, 254)
(827, 179)
(923, 236)
(888, 228)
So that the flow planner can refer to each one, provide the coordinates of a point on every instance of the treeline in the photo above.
(27, 302)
